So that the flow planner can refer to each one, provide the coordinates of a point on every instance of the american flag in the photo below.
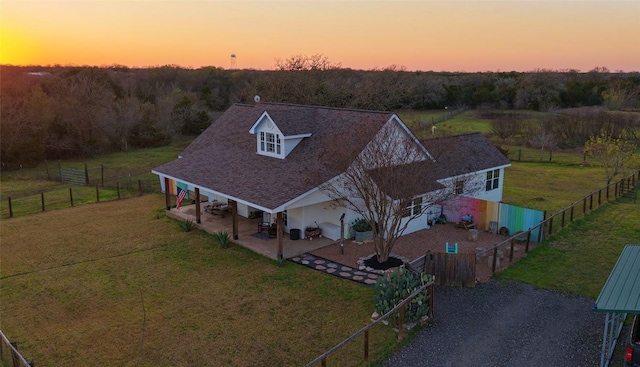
(181, 194)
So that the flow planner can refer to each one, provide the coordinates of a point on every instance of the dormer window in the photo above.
(274, 140)
(270, 143)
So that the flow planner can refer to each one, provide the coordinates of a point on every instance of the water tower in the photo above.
(234, 64)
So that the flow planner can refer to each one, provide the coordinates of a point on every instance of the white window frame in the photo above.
(493, 180)
(414, 207)
(270, 144)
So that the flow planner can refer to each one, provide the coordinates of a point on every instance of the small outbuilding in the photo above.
(619, 296)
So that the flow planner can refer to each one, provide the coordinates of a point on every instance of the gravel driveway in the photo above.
(506, 324)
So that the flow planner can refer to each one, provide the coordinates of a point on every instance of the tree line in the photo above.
(53, 112)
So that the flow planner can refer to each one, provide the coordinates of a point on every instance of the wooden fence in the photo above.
(460, 269)
(13, 358)
(400, 309)
(58, 201)
(457, 270)
(100, 175)
(563, 218)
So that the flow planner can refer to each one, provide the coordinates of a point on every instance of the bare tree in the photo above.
(507, 126)
(540, 135)
(303, 62)
(390, 183)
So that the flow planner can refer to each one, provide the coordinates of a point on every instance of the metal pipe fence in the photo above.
(9, 354)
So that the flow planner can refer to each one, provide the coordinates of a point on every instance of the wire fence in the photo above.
(519, 154)
(76, 185)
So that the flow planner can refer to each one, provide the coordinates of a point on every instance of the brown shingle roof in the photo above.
(454, 156)
(466, 153)
(224, 158)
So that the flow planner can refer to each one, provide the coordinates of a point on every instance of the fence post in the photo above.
(102, 175)
(550, 154)
(540, 230)
(71, 196)
(46, 166)
(167, 199)
(118, 189)
(86, 174)
(42, 199)
(599, 197)
(323, 363)
(591, 202)
(14, 357)
(495, 256)
(616, 193)
(571, 216)
(526, 247)
(511, 250)
(431, 292)
(97, 194)
(10, 208)
(563, 213)
(584, 206)
(550, 226)
(608, 192)
(401, 321)
(139, 188)
(366, 345)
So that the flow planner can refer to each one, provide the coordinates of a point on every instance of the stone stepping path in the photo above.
(339, 270)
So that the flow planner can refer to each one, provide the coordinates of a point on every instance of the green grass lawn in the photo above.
(118, 283)
(579, 258)
(464, 123)
(549, 186)
(122, 170)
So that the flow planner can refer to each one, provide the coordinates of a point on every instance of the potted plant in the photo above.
(362, 230)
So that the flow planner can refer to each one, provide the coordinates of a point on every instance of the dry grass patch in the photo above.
(119, 284)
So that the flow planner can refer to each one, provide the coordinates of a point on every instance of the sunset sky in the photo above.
(477, 35)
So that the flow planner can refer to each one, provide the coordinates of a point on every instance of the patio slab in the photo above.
(248, 235)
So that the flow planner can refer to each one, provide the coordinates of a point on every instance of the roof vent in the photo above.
(256, 99)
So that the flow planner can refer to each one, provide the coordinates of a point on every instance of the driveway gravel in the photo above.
(506, 323)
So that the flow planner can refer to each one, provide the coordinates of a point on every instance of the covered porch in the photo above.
(248, 234)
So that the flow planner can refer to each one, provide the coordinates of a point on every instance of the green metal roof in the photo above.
(621, 292)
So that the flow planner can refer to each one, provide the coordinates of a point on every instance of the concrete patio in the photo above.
(248, 235)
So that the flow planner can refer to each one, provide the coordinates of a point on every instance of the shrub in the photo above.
(397, 286)
(223, 239)
(361, 225)
(186, 225)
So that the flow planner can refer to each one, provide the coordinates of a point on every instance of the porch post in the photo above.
(234, 215)
(167, 196)
(279, 233)
(198, 205)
